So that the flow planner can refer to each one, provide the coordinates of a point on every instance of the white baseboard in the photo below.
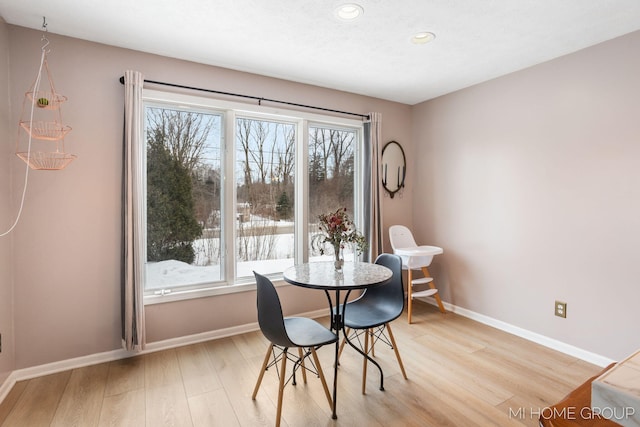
(108, 356)
(560, 346)
(6, 386)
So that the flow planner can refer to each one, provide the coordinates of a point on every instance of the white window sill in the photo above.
(181, 295)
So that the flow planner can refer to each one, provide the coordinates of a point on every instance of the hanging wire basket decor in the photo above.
(51, 131)
(46, 100)
(40, 160)
(41, 124)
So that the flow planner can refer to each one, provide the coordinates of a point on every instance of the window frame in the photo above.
(230, 110)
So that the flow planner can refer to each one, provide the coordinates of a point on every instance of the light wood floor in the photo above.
(461, 373)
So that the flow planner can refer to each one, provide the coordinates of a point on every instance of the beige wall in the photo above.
(531, 183)
(67, 251)
(6, 211)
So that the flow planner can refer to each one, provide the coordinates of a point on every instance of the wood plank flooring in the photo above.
(461, 373)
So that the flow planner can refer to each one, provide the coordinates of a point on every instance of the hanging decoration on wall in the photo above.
(41, 130)
(394, 168)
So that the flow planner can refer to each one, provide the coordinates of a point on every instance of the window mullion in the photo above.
(229, 199)
(301, 190)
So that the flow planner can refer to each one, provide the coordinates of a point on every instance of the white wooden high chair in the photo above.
(415, 257)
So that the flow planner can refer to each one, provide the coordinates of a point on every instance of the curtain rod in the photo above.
(259, 99)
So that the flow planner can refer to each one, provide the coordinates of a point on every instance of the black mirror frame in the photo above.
(401, 175)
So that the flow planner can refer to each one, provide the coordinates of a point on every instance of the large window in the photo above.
(183, 197)
(231, 190)
(331, 170)
(264, 175)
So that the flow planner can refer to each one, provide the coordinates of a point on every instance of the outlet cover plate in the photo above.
(561, 309)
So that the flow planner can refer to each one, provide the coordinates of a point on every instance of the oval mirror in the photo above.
(394, 167)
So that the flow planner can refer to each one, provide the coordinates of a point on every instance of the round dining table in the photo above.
(322, 275)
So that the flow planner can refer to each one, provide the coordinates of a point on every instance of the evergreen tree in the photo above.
(171, 223)
(283, 207)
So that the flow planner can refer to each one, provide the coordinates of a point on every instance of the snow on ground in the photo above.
(172, 273)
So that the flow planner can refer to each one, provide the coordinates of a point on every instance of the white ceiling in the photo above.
(302, 41)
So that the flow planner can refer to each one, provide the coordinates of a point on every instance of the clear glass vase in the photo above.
(339, 258)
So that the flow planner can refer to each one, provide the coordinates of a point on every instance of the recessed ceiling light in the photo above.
(423, 37)
(349, 11)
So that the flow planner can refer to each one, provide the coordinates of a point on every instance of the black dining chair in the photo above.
(285, 333)
(371, 314)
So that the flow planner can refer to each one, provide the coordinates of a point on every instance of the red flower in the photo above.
(338, 229)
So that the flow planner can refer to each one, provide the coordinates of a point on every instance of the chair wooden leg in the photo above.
(395, 348)
(262, 371)
(321, 375)
(304, 371)
(364, 361)
(432, 285)
(283, 374)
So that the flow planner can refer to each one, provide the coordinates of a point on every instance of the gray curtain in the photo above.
(373, 209)
(133, 331)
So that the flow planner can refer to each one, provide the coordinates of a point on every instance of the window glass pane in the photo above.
(183, 197)
(264, 196)
(331, 181)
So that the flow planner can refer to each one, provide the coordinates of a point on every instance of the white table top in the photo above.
(322, 275)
